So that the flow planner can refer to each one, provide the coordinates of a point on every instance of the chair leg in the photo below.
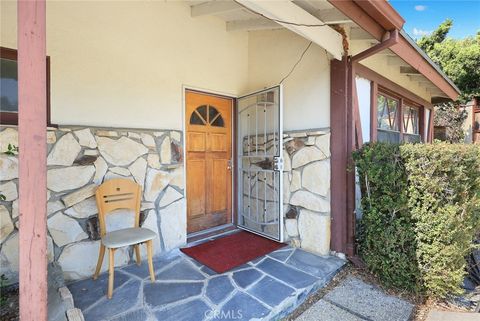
(111, 271)
(101, 254)
(150, 260)
(137, 254)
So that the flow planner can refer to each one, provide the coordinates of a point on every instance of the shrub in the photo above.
(421, 211)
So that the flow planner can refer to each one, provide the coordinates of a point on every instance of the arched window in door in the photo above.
(206, 115)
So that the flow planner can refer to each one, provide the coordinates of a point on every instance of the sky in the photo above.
(422, 17)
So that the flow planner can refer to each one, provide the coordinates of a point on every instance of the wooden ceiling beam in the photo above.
(408, 70)
(396, 61)
(252, 24)
(213, 7)
(324, 36)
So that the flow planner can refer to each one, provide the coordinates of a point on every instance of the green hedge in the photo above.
(421, 210)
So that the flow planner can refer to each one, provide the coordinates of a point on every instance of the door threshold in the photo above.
(210, 234)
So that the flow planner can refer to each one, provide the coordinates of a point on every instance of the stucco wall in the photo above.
(123, 64)
(271, 56)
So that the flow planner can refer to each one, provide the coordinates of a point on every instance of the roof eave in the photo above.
(374, 22)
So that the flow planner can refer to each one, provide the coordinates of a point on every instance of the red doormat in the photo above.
(228, 252)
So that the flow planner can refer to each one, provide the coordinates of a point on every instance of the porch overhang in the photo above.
(378, 17)
(309, 20)
(296, 19)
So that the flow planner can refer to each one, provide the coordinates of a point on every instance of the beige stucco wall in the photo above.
(123, 64)
(379, 64)
(271, 56)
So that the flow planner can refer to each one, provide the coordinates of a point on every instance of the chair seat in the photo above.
(127, 236)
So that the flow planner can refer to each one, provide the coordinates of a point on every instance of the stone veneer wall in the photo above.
(79, 159)
(306, 193)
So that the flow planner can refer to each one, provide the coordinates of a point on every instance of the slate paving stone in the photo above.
(366, 300)
(270, 291)
(241, 267)
(321, 267)
(123, 299)
(257, 260)
(242, 307)
(158, 294)
(180, 278)
(142, 271)
(182, 270)
(246, 277)
(281, 255)
(137, 315)
(195, 310)
(89, 291)
(207, 270)
(291, 276)
(219, 288)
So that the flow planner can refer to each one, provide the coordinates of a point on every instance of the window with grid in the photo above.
(388, 129)
(411, 128)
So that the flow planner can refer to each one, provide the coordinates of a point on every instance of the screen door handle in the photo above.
(277, 164)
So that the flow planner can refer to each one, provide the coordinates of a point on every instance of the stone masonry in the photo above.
(306, 190)
(81, 158)
(78, 160)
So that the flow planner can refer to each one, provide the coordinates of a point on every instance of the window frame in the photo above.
(402, 103)
(11, 118)
(380, 84)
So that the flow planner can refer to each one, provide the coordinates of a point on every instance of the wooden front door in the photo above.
(208, 157)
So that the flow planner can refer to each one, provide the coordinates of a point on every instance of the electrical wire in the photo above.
(287, 23)
(298, 61)
(280, 21)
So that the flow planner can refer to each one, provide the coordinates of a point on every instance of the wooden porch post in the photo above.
(32, 130)
(339, 158)
(343, 142)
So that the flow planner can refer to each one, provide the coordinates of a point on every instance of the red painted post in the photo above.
(32, 129)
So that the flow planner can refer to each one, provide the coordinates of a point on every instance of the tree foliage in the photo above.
(452, 118)
(458, 58)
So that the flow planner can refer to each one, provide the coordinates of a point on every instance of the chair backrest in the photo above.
(118, 193)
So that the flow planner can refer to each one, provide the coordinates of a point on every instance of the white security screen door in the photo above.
(260, 163)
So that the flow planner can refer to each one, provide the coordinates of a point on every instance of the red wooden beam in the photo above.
(32, 100)
(390, 41)
(338, 148)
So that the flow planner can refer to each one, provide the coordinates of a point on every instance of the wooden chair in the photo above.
(121, 194)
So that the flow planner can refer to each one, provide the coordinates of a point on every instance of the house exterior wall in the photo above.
(271, 56)
(79, 159)
(306, 190)
(117, 79)
(128, 61)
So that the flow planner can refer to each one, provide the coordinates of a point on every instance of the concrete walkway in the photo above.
(355, 300)
(267, 288)
(452, 316)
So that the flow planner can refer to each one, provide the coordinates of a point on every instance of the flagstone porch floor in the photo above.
(266, 288)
